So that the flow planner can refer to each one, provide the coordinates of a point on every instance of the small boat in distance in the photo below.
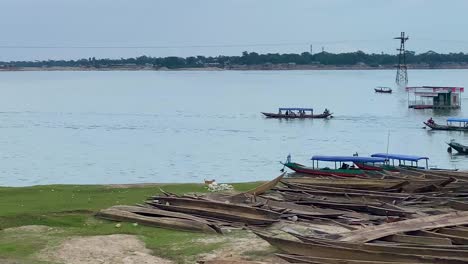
(462, 149)
(453, 124)
(382, 89)
(295, 112)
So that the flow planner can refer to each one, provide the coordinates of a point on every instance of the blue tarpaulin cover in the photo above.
(457, 119)
(296, 109)
(348, 159)
(399, 157)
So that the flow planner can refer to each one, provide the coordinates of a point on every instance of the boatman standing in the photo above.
(288, 158)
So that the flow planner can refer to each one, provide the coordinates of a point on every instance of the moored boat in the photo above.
(341, 168)
(402, 159)
(294, 112)
(458, 147)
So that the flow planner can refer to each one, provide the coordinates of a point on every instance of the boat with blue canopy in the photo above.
(341, 169)
(297, 112)
(453, 123)
(402, 159)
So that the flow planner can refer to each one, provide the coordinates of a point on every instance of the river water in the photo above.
(186, 126)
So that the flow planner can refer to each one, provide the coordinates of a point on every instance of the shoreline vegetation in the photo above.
(250, 61)
(38, 221)
(236, 68)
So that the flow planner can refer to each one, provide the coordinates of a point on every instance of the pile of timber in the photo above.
(407, 217)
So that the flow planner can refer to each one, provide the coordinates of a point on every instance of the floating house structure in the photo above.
(434, 97)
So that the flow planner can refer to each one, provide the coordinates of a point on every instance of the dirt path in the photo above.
(111, 249)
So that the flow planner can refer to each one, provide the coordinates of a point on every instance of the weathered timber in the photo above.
(422, 251)
(163, 222)
(428, 222)
(224, 211)
(316, 260)
(457, 240)
(323, 251)
(418, 240)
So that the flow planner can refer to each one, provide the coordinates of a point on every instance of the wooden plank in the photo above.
(164, 222)
(316, 260)
(455, 239)
(408, 250)
(427, 222)
(453, 231)
(417, 240)
(323, 251)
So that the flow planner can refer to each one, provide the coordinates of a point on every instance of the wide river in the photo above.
(186, 126)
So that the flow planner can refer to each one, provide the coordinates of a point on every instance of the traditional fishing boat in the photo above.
(382, 89)
(341, 168)
(294, 112)
(403, 159)
(458, 147)
(453, 124)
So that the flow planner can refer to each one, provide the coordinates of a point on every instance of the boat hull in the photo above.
(443, 127)
(382, 91)
(459, 147)
(273, 115)
(323, 172)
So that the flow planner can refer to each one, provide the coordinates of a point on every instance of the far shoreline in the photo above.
(236, 68)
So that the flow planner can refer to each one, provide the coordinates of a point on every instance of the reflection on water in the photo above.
(124, 127)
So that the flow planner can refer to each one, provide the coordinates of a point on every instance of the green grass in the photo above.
(71, 209)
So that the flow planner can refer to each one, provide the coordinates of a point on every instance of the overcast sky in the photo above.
(227, 27)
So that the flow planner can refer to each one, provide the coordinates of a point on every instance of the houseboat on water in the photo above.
(434, 97)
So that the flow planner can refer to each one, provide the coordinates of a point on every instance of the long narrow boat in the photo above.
(462, 149)
(323, 172)
(342, 169)
(434, 252)
(462, 124)
(382, 89)
(295, 112)
(342, 253)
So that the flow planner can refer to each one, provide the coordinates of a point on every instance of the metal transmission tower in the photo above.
(402, 75)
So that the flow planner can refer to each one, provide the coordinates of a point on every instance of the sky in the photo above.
(72, 29)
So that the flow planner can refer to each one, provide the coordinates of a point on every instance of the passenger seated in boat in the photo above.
(344, 166)
(326, 111)
(302, 113)
(430, 121)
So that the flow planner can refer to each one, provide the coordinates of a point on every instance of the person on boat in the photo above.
(430, 121)
(326, 111)
(344, 166)
(302, 113)
(288, 158)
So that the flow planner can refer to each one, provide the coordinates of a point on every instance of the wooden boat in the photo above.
(458, 147)
(451, 124)
(295, 112)
(383, 89)
(344, 170)
(406, 249)
(368, 167)
(342, 253)
(325, 171)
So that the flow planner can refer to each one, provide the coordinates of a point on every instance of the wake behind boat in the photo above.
(295, 112)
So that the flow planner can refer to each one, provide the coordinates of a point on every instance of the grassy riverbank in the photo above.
(68, 211)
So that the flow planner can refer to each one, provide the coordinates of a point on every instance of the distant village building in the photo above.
(434, 97)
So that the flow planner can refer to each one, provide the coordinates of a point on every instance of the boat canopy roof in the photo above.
(348, 159)
(295, 109)
(457, 119)
(399, 157)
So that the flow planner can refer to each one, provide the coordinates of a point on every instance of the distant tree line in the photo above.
(252, 58)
